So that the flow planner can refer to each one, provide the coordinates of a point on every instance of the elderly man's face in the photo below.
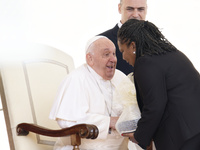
(104, 60)
(132, 9)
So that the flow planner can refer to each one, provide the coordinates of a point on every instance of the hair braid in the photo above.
(147, 37)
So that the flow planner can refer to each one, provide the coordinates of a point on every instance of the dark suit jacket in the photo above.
(169, 88)
(121, 64)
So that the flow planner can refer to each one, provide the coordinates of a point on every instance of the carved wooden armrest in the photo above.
(76, 132)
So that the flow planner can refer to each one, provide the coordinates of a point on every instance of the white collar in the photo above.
(98, 78)
(119, 24)
(96, 75)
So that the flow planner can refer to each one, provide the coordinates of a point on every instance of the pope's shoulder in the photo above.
(78, 73)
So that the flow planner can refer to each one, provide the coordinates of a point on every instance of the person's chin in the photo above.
(110, 75)
(131, 64)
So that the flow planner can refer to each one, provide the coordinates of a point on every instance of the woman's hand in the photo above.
(130, 136)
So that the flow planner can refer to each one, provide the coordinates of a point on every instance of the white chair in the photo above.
(28, 86)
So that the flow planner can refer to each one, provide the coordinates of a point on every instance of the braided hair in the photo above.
(147, 37)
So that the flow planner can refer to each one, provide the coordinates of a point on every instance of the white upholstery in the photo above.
(30, 84)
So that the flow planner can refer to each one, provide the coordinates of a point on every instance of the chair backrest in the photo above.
(28, 88)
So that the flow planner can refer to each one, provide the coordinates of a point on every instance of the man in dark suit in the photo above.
(129, 9)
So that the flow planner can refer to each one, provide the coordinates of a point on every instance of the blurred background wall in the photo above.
(67, 25)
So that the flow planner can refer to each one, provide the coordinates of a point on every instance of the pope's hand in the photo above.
(113, 121)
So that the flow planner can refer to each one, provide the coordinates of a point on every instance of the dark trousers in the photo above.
(192, 144)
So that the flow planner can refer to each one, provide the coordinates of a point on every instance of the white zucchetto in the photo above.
(93, 39)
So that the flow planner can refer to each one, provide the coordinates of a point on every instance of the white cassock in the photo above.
(84, 97)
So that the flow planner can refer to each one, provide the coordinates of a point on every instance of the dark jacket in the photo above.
(169, 88)
(121, 64)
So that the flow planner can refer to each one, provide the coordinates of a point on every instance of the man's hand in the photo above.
(113, 121)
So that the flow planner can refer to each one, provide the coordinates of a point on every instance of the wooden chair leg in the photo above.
(76, 148)
(75, 141)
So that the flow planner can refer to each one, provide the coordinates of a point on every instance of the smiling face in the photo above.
(132, 9)
(128, 52)
(102, 58)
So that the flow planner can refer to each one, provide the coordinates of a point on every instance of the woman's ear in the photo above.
(133, 46)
